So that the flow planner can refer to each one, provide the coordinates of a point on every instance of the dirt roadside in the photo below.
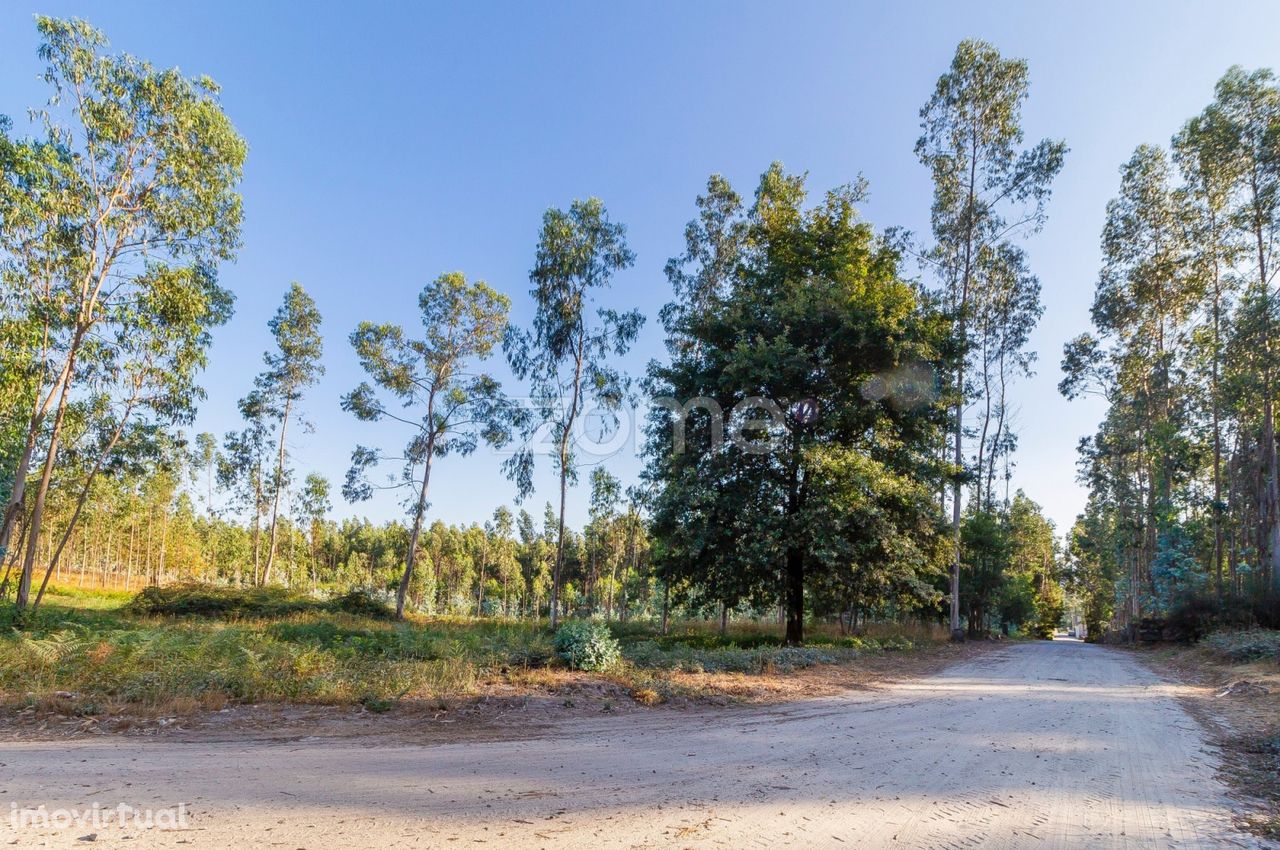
(1048, 745)
(1239, 707)
(516, 705)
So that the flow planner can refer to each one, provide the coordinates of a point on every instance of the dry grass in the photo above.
(1238, 701)
(93, 661)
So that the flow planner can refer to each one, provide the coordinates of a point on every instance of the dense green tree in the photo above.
(818, 355)
(1182, 469)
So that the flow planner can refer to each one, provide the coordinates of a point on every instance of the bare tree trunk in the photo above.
(17, 496)
(37, 509)
(277, 487)
(1217, 435)
(480, 584)
(80, 501)
(419, 513)
(957, 634)
(666, 605)
(564, 481)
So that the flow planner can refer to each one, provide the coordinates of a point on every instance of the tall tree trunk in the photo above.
(983, 496)
(633, 554)
(1217, 432)
(564, 480)
(795, 596)
(1270, 513)
(666, 605)
(420, 512)
(17, 497)
(480, 585)
(84, 497)
(957, 633)
(277, 487)
(37, 509)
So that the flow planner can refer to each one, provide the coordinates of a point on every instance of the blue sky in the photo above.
(390, 142)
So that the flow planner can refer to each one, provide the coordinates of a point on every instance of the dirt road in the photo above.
(1047, 745)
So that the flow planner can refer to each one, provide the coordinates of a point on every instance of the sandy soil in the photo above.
(1238, 705)
(1047, 745)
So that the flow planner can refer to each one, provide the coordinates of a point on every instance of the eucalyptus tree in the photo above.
(313, 504)
(145, 384)
(430, 385)
(533, 554)
(1148, 289)
(1246, 110)
(987, 189)
(243, 470)
(565, 354)
(606, 492)
(1146, 292)
(32, 176)
(1202, 152)
(136, 170)
(501, 544)
(291, 368)
(1003, 322)
(820, 356)
(637, 497)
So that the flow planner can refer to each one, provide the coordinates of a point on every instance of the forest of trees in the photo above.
(830, 436)
(1183, 518)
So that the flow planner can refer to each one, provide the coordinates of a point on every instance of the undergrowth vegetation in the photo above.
(1245, 646)
(197, 647)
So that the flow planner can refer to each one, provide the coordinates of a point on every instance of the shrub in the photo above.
(650, 655)
(587, 646)
(230, 603)
(646, 696)
(1242, 647)
(1199, 615)
(363, 602)
(192, 599)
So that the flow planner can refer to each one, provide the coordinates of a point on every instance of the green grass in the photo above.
(191, 647)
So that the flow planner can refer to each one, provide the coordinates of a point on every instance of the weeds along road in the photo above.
(1045, 745)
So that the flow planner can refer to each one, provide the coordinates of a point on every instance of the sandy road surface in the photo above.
(1048, 745)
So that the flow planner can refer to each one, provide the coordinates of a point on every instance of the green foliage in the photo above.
(651, 655)
(566, 353)
(1049, 618)
(238, 603)
(1182, 472)
(362, 602)
(1012, 576)
(585, 645)
(450, 408)
(755, 503)
(116, 218)
(222, 602)
(1245, 646)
